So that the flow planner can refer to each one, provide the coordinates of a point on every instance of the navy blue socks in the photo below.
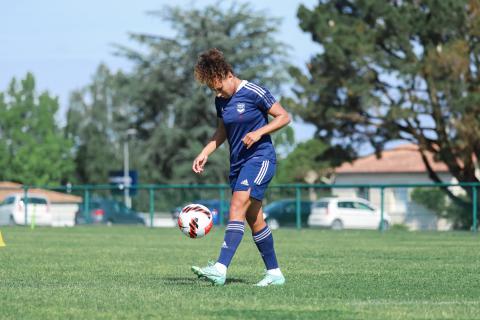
(264, 241)
(233, 236)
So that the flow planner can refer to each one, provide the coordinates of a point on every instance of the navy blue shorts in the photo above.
(255, 174)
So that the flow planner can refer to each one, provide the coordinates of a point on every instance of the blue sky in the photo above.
(62, 42)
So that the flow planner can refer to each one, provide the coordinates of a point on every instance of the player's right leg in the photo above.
(210, 273)
(216, 273)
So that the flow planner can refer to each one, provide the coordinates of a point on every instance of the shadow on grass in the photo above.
(191, 280)
(180, 280)
(234, 280)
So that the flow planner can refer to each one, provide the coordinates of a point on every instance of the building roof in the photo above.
(7, 188)
(402, 159)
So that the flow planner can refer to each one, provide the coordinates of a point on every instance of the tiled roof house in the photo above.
(400, 165)
(63, 206)
(7, 188)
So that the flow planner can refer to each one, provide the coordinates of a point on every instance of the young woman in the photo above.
(242, 108)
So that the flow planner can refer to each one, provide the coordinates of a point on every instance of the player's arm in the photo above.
(280, 119)
(216, 141)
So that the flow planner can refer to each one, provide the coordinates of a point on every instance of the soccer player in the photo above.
(242, 110)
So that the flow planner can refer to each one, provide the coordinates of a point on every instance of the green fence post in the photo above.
(298, 197)
(222, 200)
(25, 203)
(474, 226)
(86, 201)
(382, 203)
(152, 204)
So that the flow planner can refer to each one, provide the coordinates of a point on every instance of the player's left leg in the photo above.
(263, 238)
(262, 172)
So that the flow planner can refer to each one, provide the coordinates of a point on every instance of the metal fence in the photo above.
(412, 206)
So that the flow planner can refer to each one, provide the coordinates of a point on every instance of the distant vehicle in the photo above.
(284, 213)
(346, 213)
(12, 210)
(176, 212)
(107, 211)
(213, 205)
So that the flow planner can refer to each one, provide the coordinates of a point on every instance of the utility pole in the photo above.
(126, 167)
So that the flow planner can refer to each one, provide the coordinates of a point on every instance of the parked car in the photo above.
(107, 211)
(284, 213)
(213, 205)
(346, 213)
(12, 210)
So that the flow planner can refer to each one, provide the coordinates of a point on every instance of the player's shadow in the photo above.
(180, 280)
(190, 280)
(235, 280)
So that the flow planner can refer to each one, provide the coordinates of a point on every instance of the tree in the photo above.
(173, 115)
(395, 69)
(308, 158)
(284, 141)
(435, 200)
(33, 149)
(95, 123)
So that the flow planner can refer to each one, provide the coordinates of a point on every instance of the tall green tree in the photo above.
(310, 161)
(173, 115)
(394, 69)
(33, 149)
(96, 123)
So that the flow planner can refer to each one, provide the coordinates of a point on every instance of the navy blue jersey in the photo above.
(244, 112)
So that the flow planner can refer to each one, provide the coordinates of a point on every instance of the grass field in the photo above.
(140, 273)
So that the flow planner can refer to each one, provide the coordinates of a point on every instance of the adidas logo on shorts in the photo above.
(245, 183)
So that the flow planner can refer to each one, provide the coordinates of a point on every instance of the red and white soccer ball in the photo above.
(195, 220)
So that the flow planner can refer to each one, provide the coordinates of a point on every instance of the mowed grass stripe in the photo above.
(135, 272)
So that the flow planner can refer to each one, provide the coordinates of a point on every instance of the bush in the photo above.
(437, 201)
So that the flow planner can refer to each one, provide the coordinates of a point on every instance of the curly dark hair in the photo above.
(211, 66)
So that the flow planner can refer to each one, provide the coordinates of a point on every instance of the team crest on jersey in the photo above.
(240, 107)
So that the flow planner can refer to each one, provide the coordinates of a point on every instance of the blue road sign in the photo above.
(118, 179)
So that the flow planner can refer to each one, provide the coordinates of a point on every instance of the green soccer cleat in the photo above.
(271, 280)
(210, 273)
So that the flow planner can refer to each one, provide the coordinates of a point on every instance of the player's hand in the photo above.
(199, 163)
(251, 138)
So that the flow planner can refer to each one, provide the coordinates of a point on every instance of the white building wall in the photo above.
(397, 202)
(63, 214)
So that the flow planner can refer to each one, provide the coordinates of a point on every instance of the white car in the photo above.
(12, 210)
(346, 213)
